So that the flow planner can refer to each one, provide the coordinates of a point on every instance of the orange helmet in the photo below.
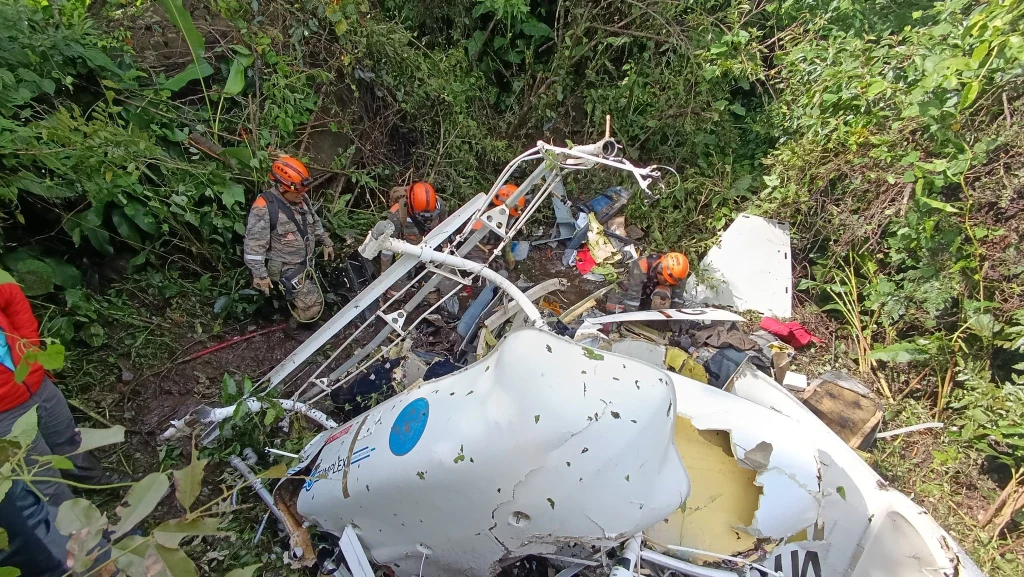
(421, 198)
(672, 268)
(290, 174)
(505, 193)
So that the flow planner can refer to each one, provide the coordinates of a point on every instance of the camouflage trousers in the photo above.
(307, 301)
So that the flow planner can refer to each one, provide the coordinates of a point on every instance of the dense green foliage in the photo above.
(886, 133)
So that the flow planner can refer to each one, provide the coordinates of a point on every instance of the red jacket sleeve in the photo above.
(19, 313)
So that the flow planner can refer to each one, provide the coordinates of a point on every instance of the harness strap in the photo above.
(275, 207)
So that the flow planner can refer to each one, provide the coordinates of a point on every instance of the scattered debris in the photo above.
(703, 461)
(910, 429)
(792, 333)
(846, 406)
(749, 269)
(795, 382)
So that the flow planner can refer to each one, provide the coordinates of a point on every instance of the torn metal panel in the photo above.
(649, 353)
(750, 268)
(593, 460)
(853, 498)
(723, 496)
(785, 464)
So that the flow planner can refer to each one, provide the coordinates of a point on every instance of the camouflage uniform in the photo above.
(409, 232)
(285, 251)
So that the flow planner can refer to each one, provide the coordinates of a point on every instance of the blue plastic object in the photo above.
(476, 308)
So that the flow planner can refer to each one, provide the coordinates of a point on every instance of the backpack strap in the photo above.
(275, 207)
(273, 210)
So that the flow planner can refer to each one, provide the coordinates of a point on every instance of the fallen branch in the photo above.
(987, 516)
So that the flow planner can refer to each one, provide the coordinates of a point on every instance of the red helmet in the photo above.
(421, 198)
(290, 174)
(505, 193)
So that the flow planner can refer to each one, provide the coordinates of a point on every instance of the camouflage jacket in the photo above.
(284, 243)
(409, 232)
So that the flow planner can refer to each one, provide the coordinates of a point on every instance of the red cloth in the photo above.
(584, 262)
(792, 333)
(20, 329)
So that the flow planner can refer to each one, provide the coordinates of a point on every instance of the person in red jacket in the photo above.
(58, 434)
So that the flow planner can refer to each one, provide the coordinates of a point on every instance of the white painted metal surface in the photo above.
(856, 525)
(371, 293)
(426, 254)
(536, 446)
(352, 549)
(698, 314)
(207, 417)
(750, 268)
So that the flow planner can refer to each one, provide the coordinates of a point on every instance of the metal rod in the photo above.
(427, 255)
(369, 294)
(257, 486)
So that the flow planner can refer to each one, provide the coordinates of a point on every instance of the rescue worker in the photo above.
(57, 434)
(650, 283)
(280, 240)
(415, 211)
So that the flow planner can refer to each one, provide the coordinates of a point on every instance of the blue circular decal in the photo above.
(409, 427)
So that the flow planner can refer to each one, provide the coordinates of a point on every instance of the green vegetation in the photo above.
(133, 136)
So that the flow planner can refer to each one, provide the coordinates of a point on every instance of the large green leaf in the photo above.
(900, 353)
(170, 533)
(141, 216)
(239, 153)
(98, 59)
(51, 358)
(35, 277)
(177, 563)
(31, 183)
(140, 501)
(11, 259)
(188, 482)
(130, 556)
(125, 227)
(943, 206)
(232, 193)
(140, 557)
(192, 72)
(6, 482)
(84, 524)
(94, 438)
(236, 78)
(25, 428)
(181, 19)
(536, 28)
(64, 274)
(91, 221)
(246, 571)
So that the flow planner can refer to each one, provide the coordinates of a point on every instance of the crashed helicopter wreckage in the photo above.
(595, 460)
